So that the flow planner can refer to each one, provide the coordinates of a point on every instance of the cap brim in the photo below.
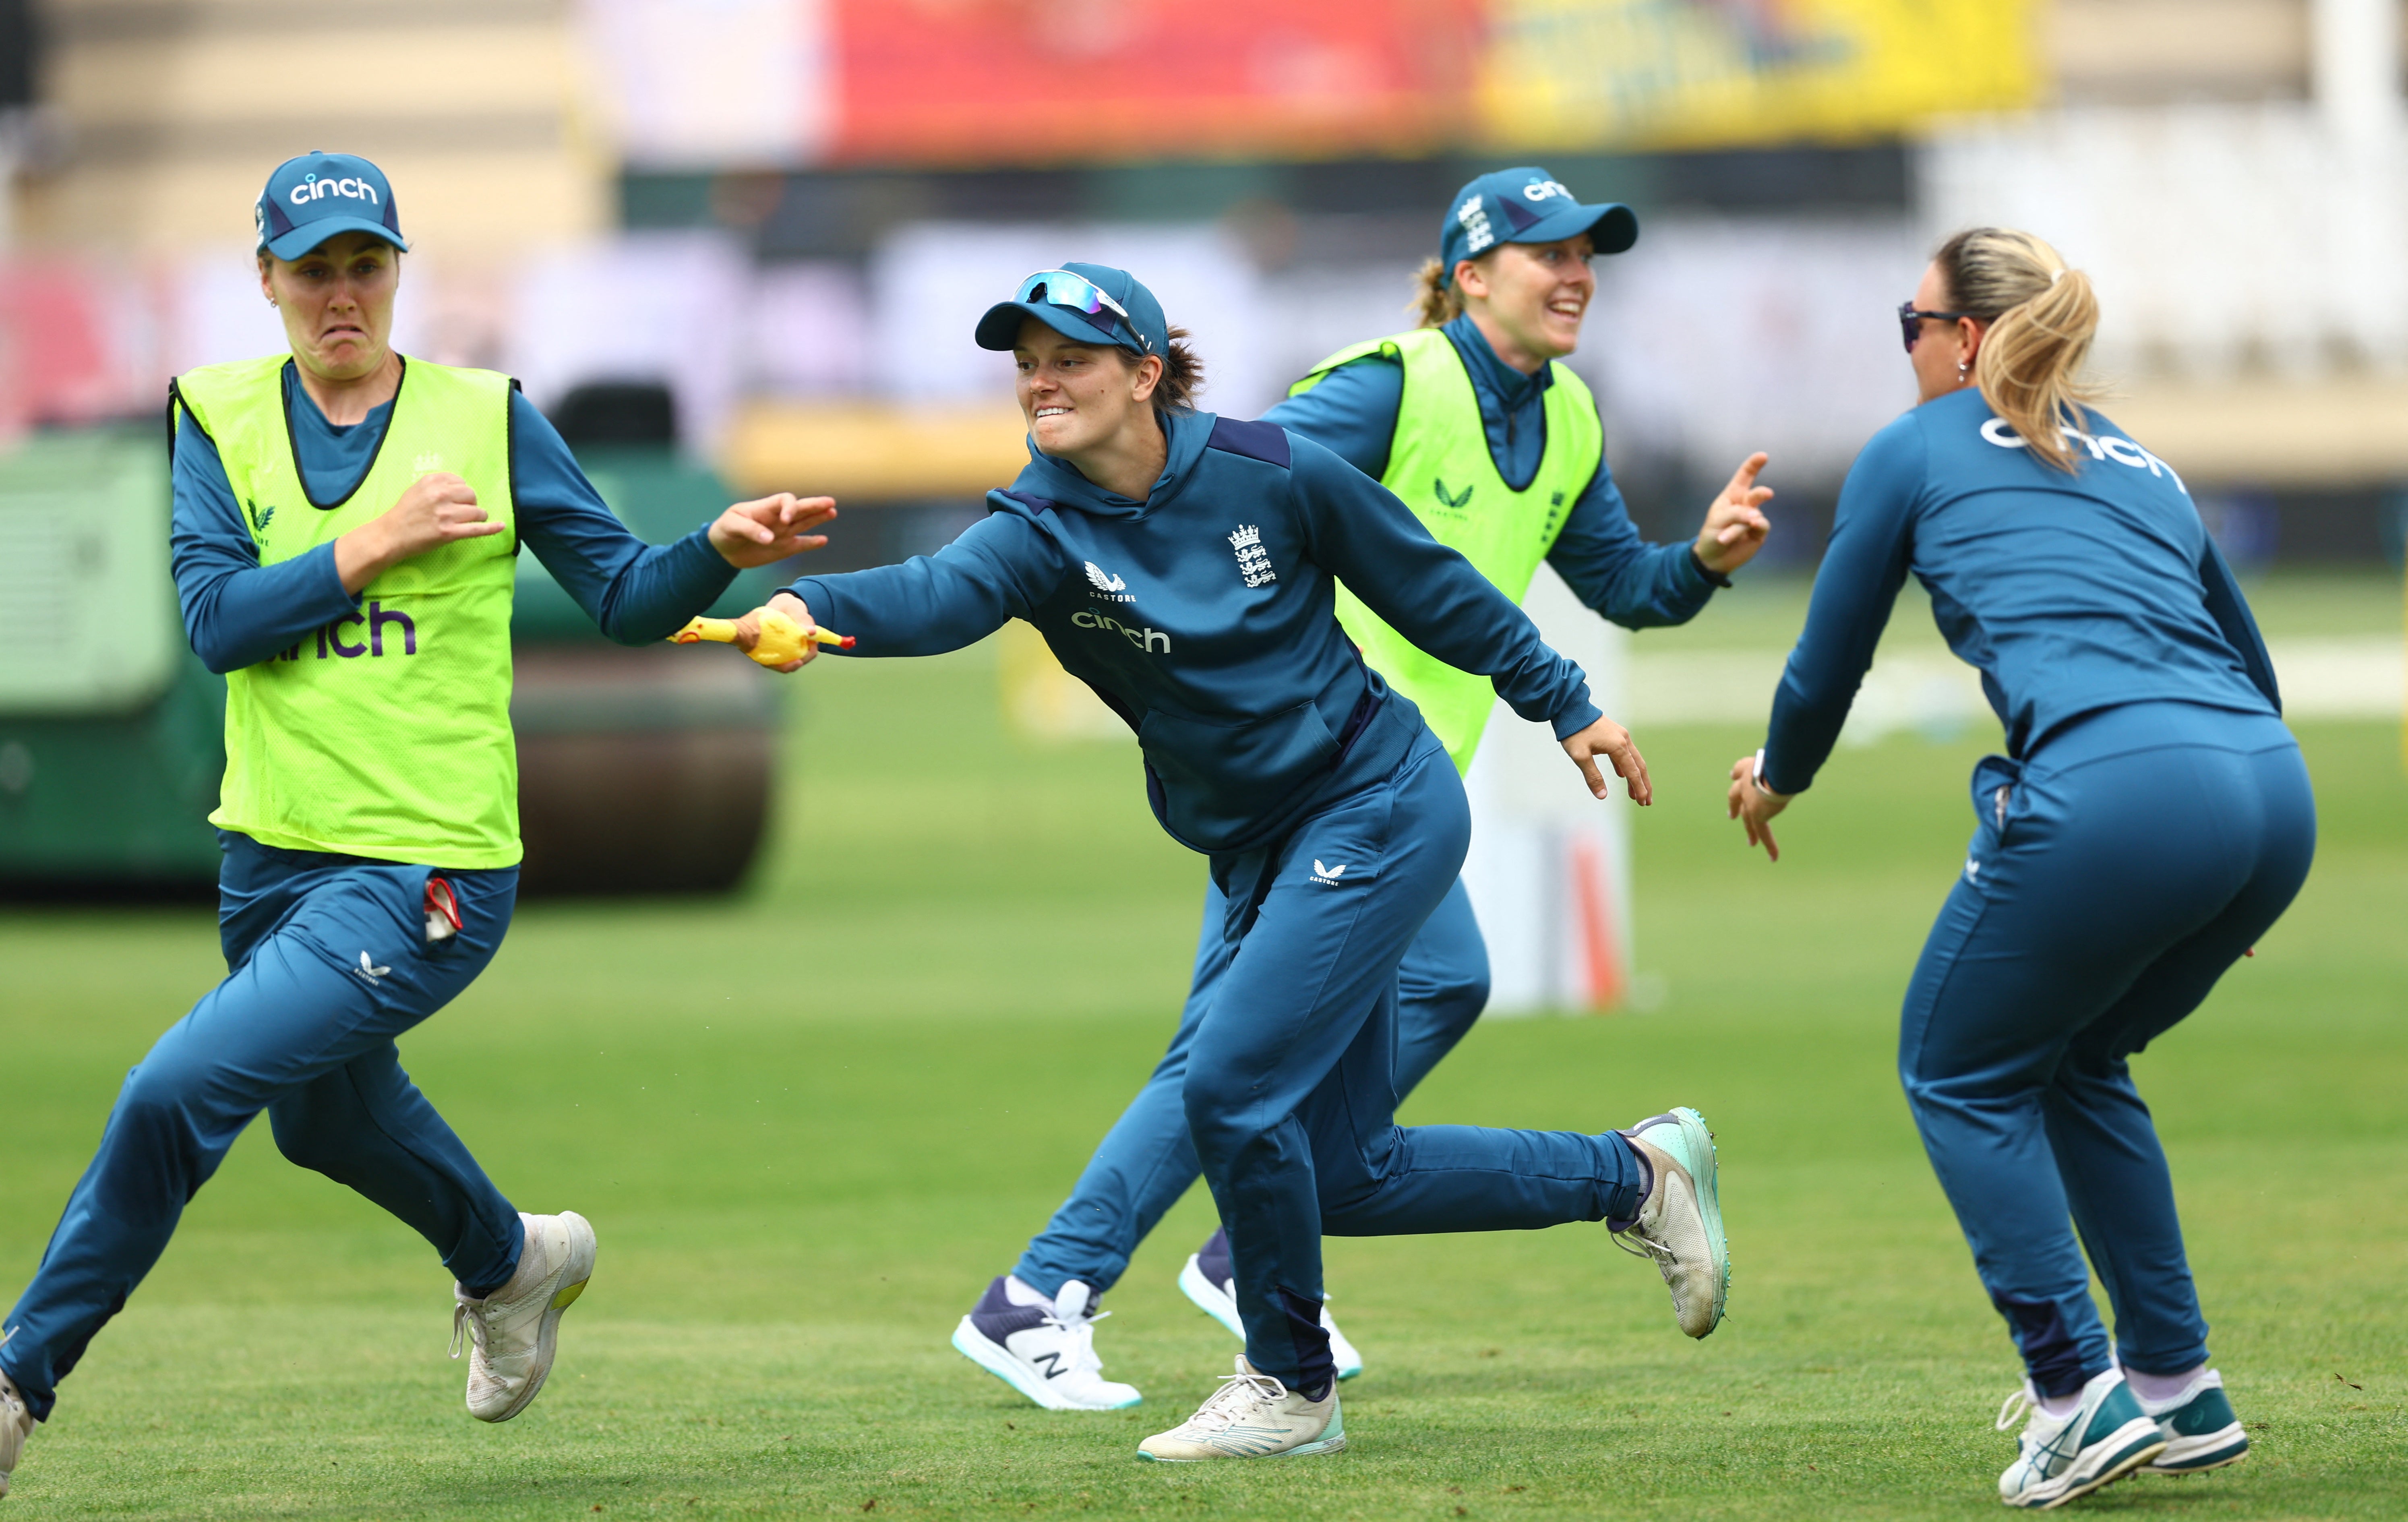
(299, 241)
(1000, 327)
(1613, 228)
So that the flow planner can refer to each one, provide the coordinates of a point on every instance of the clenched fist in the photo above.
(439, 509)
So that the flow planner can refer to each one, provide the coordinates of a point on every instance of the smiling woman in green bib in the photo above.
(347, 525)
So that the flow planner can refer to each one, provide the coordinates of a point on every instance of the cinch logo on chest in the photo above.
(1145, 640)
(378, 624)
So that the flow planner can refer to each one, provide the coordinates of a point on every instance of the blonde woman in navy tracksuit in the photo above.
(1182, 565)
(2151, 820)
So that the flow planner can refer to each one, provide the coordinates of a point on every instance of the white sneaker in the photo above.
(2106, 1437)
(1681, 1225)
(2198, 1425)
(15, 1426)
(1043, 1348)
(1251, 1417)
(1211, 1282)
(517, 1327)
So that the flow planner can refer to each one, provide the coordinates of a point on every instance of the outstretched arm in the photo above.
(997, 570)
(1360, 532)
(636, 593)
(1855, 589)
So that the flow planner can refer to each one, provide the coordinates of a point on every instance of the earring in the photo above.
(1963, 369)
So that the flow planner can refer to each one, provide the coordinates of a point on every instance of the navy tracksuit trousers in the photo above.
(2113, 877)
(1146, 1161)
(1291, 1076)
(327, 961)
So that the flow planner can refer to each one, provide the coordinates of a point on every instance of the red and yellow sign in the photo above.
(1038, 81)
(982, 83)
(1607, 74)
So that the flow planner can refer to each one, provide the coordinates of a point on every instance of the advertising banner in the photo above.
(1014, 81)
(1652, 74)
(992, 83)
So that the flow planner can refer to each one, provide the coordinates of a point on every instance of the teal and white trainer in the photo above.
(15, 1426)
(2198, 1425)
(1681, 1225)
(2106, 1437)
(516, 1330)
(1210, 1281)
(1253, 1416)
(1043, 1348)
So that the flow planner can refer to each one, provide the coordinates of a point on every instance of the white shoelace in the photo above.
(2016, 1409)
(1227, 1406)
(472, 1318)
(1081, 1332)
(1648, 1246)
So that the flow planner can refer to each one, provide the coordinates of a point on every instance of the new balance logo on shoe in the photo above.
(1051, 1363)
(368, 969)
(1327, 874)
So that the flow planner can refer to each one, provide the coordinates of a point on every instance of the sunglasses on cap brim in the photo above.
(1078, 293)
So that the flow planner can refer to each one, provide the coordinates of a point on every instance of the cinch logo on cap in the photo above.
(315, 189)
(312, 197)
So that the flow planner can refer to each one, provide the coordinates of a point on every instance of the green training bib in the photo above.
(386, 733)
(1439, 463)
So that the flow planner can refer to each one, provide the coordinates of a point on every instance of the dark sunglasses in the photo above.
(1910, 322)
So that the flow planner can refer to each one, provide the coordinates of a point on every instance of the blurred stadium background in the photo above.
(735, 244)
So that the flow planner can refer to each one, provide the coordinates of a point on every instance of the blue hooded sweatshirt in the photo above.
(1203, 617)
(2069, 593)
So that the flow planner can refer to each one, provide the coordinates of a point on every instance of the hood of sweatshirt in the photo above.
(1060, 480)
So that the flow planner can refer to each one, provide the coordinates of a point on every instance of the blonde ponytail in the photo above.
(2042, 317)
(1436, 301)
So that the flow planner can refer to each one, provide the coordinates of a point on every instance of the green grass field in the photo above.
(809, 1137)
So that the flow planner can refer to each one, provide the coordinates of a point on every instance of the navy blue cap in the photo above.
(1145, 331)
(310, 198)
(1527, 206)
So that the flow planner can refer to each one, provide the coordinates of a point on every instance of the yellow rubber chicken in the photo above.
(782, 639)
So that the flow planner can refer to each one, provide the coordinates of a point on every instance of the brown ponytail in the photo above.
(2042, 317)
(1182, 372)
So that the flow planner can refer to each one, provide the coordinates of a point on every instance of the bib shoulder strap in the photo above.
(1392, 346)
(1572, 423)
(440, 384)
(214, 394)
(1569, 385)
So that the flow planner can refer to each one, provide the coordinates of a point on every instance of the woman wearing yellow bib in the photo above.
(347, 523)
(1497, 448)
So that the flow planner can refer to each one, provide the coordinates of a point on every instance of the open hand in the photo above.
(768, 530)
(1609, 740)
(1735, 524)
(747, 628)
(436, 510)
(1753, 806)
